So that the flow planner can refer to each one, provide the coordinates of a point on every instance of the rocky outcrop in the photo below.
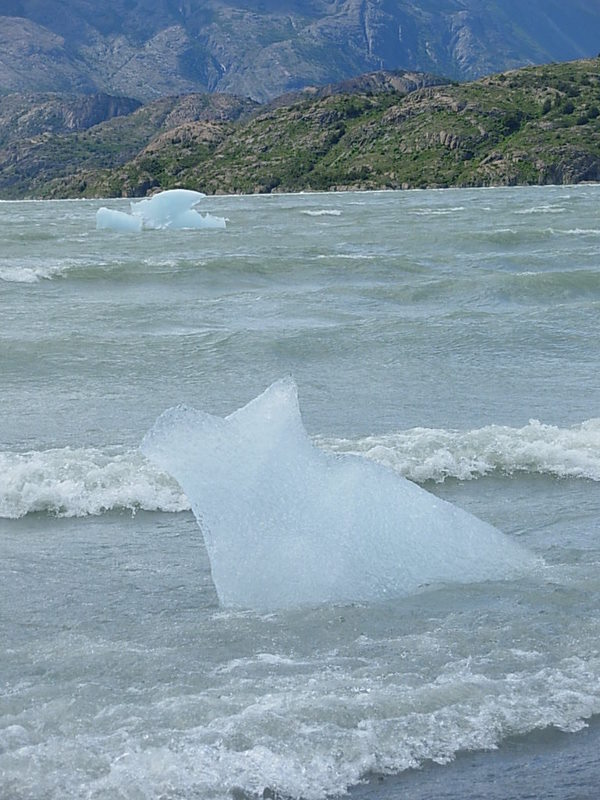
(26, 115)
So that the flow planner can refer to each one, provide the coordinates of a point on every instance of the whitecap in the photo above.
(544, 209)
(436, 212)
(75, 482)
(429, 454)
(324, 212)
(347, 256)
(19, 273)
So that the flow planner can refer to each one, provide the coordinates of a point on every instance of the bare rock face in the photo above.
(264, 48)
(27, 115)
(34, 58)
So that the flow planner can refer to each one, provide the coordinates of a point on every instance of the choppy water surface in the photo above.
(452, 336)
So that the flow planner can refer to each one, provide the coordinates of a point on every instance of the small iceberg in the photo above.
(173, 209)
(287, 524)
(112, 220)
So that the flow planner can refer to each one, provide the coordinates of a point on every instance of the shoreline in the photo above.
(549, 764)
(306, 192)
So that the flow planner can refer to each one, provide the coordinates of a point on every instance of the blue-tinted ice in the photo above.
(173, 209)
(287, 524)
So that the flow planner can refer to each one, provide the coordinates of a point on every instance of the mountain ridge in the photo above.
(535, 125)
(262, 49)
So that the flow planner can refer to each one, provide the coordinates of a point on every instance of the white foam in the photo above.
(81, 481)
(173, 209)
(310, 733)
(582, 232)
(423, 454)
(435, 212)
(548, 208)
(346, 256)
(286, 524)
(324, 212)
(45, 270)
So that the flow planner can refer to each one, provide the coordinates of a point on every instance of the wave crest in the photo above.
(32, 272)
(76, 482)
(79, 482)
(428, 454)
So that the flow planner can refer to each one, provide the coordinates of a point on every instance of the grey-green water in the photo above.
(451, 335)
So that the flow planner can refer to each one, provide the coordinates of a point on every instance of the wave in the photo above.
(548, 208)
(324, 212)
(347, 256)
(435, 212)
(76, 482)
(553, 285)
(581, 232)
(513, 236)
(429, 454)
(32, 273)
(309, 728)
(526, 235)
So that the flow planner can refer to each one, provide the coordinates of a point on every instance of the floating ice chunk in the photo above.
(161, 208)
(111, 219)
(172, 209)
(286, 524)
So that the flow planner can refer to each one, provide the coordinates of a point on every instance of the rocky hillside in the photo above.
(23, 116)
(534, 125)
(263, 48)
(48, 136)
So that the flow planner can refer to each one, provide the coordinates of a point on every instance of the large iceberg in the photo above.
(287, 524)
(173, 209)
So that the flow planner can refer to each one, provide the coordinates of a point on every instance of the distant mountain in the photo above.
(263, 48)
(530, 126)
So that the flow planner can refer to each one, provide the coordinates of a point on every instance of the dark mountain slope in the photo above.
(263, 48)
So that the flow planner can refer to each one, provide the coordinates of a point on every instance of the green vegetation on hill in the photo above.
(33, 158)
(530, 126)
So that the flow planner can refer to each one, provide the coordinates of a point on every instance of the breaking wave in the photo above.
(44, 270)
(547, 208)
(435, 212)
(429, 454)
(74, 482)
(323, 212)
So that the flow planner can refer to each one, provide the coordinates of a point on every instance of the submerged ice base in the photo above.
(172, 209)
(286, 524)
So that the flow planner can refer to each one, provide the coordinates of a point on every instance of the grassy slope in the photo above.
(534, 125)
